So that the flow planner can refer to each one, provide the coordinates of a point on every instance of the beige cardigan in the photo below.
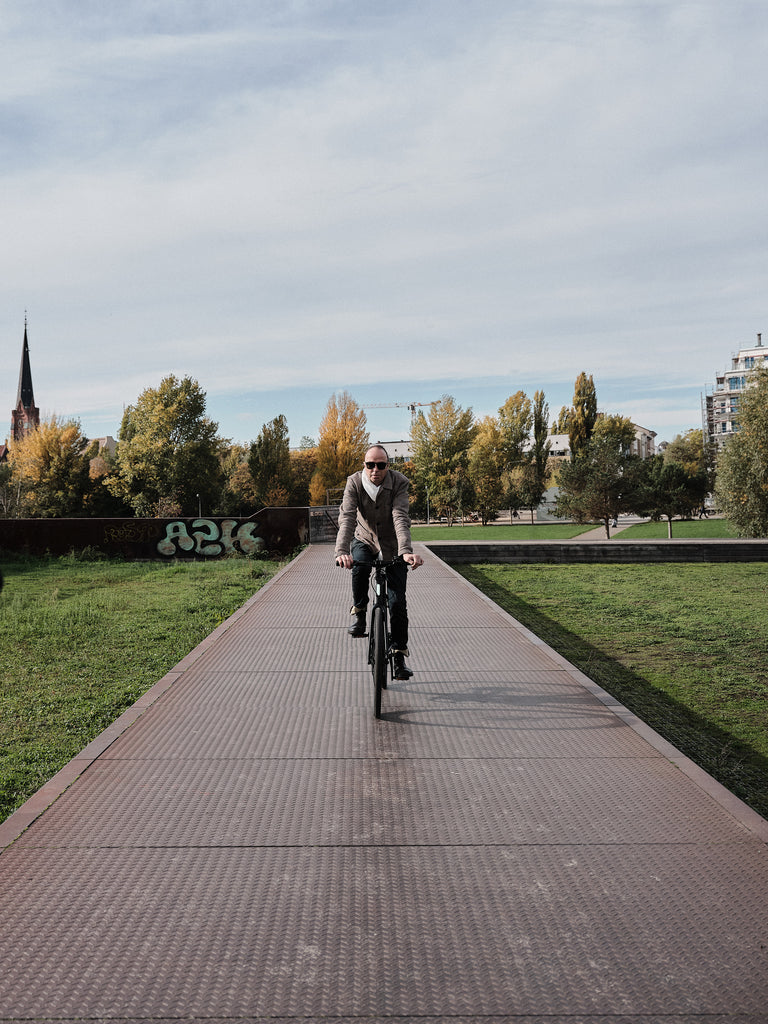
(384, 524)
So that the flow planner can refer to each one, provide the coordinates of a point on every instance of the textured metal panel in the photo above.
(257, 688)
(444, 650)
(289, 610)
(300, 650)
(521, 688)
(501, 847)
(388, 931)
(568, 1018)
(382, 802)
(432, 731)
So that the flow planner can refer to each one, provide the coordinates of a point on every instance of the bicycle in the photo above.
(380, 654)
(379, 641)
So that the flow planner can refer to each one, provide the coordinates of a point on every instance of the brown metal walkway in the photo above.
(508, 844)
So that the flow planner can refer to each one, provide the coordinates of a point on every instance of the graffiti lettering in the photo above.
(208, 539)
(130, 532)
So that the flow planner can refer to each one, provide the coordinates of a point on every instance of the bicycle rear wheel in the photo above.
(379, 661)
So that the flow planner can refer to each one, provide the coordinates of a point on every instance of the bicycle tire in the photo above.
(379, 664)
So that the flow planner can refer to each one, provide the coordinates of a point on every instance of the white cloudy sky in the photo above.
(398, 198)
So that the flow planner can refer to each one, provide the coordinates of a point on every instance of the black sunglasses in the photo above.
(378, 465)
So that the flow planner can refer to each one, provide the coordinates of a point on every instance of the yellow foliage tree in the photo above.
(51, 469)
(343, 442)
(487, 462)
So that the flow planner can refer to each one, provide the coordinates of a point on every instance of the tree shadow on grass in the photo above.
(735, 764)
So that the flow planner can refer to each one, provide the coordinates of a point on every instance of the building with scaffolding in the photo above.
(720, 403)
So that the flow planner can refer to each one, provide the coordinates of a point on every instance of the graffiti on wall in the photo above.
(138, 530)
(210, 539)
(270, 532)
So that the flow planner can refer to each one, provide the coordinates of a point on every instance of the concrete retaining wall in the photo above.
(602, 551)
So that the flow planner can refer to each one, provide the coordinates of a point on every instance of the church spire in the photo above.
(26, 416)
(25, 394)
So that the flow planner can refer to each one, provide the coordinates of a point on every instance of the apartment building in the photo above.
(720, 403)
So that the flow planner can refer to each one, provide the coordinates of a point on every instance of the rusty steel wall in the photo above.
(271, 530)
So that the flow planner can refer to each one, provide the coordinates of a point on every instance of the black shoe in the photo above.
(401, 669)
(358, 626)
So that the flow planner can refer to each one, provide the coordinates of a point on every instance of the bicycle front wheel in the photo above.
(379, 662)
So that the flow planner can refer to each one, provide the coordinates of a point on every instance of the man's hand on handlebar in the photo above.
(347, 561)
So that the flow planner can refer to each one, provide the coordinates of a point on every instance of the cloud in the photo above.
(281, 195)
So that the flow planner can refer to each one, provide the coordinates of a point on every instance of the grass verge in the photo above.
(541, 531)
(81, 641)
(701, 529)
(682, 645)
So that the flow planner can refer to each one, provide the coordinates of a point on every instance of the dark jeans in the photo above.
(397, 577)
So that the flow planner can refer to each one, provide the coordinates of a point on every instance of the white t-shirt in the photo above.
(372, 489)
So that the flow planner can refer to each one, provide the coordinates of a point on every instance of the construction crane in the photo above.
(413, 406)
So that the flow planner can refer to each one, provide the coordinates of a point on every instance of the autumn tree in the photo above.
(441, 443)
(534, 476)
(583, 414)
(515, 419)
(168, 451)
(687, 449)
(8, 492)
(540, 435)
(742, 469)
(695, 453)
(620, 429)
(486, 465)
(514, 423)
(270, 463)
(50, 469)
(563, 422)
(342, 443)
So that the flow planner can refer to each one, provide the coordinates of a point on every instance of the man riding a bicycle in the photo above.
(374, 518)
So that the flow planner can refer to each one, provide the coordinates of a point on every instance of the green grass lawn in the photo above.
(701, 529)
(541, 531)
(81, 641)
(697, 528)
(682, 645)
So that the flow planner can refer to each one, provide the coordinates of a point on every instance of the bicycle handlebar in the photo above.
(373, 565)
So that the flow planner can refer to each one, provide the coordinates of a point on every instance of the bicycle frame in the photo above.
(379, 653)
(380, 656)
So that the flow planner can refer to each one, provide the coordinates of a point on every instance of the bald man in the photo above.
(375, 517)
